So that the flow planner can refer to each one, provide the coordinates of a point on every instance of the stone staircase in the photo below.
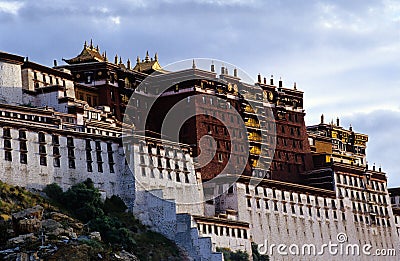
(160, 214)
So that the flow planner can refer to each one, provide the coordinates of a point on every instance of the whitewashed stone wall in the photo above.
(175, 178)
(275, 218)
(10, 83)
(35, 175)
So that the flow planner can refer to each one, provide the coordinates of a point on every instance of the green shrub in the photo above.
(54, 192)
(113, 231)
(114, 205)
(229, 255)
(256, 255)
(82, 200)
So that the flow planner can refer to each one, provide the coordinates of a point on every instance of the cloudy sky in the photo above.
(344, 54)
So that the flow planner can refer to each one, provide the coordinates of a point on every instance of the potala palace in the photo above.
(244, 168)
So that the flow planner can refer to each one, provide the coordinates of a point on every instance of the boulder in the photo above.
(28, 220)
(61, 217)
(27, 226)
(66, 219)
(95, 235)
(126, 256)
(49, 225)
(22, 239)
(29, 213)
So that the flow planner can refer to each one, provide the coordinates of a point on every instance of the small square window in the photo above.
(89, 166)
(8, 156)
(43, 160)
(23, 158)
(56, 162)
(220, 158)
(100, 167)
(22, 134)
(42, 137)
(71, 163)
(7, 133)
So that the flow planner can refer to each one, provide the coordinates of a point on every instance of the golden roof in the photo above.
(147, 65)
(88, 54)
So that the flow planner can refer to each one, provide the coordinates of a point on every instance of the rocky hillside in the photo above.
(74, 225)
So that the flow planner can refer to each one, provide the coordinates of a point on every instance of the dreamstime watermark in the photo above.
(338, 248)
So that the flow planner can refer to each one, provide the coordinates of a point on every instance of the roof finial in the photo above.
(116, 59)
(120, 60)
(295, 87)
(85, 45)
(97, 48)
(156, 57)
(128, 64)
(105, 56)
(147, 56)
(138, 59)
(91, 44)
(193, 64)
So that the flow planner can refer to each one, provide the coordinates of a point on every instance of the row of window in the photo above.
(222, 130)
(161, 174)
(358, 207)
(259, 191)
(357, 218)
(292, 130)
(44, 79)
(159, 164)
(284, 208)
(285, 156)
(359, 182)
(372, 221)
(99, 158)
(279, 166)
(222, 116)
(168, 152)
(222, 230)
(293, 117)
(362, 196)
(27, 117)
(214, 101)
(90, 99)
(287, 142)
(42, 150)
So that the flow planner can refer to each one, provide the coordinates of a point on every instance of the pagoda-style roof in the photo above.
(148, 65)
(88, 54)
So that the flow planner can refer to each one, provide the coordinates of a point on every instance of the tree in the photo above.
(114, 205)
(82, 200)
(229, 255)
(256, 255)
(54, 192)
